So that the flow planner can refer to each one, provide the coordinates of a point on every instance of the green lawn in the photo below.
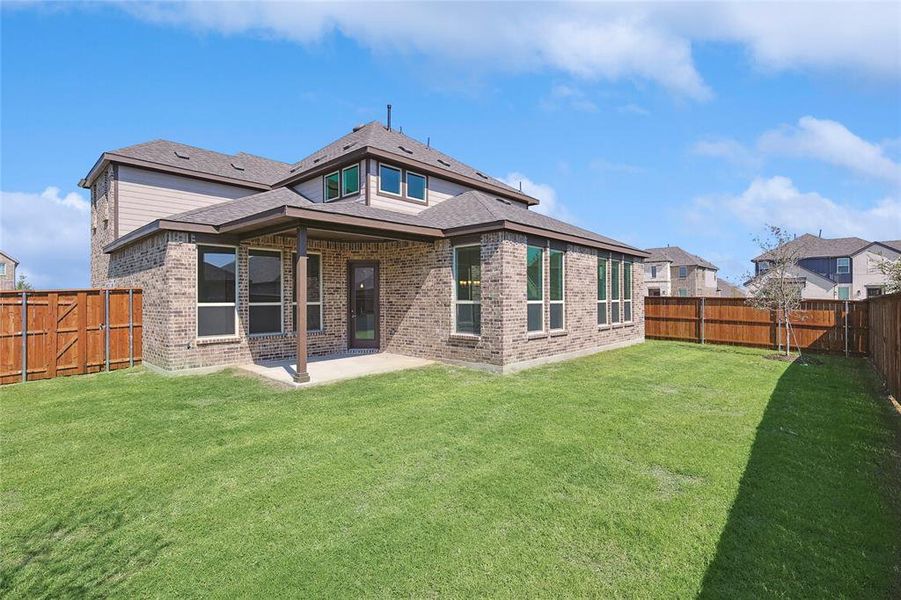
(660, 470)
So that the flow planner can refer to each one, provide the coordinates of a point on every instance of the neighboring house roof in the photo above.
(893, 244)
(374, 135)
(811, 246)
(729, 290)
(472, 211)
(9, 257)
(679, 257)
(240, 168)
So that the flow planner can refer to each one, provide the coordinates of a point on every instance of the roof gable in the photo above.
(811, 246)
(679, 257)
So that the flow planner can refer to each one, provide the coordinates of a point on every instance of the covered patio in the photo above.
(334, 367)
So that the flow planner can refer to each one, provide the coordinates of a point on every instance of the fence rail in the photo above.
(885, 339)
(836, 326)
(45, 334)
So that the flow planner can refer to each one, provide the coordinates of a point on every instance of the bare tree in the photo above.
(775, 285)
(22, 283)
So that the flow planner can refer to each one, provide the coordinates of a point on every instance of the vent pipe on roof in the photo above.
(520, 185)
(428, 142)
(389, 117)
(820, 234)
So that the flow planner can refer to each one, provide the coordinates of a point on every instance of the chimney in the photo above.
(389, 117)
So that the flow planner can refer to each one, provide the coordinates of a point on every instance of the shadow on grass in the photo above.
(816, 514)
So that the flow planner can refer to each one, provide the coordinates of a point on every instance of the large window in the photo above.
(843, 265)
(264, 271)
(350, 180)
(314, 291)
(844, 293)
(627, 292)
(216, 291)
(535, 288)
(416, 186)
(557, 292)
(389, 180)
(615, 266)
(468, 290)
(602, 290)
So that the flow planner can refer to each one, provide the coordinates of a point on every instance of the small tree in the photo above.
(892, 271)
(22, 283)
(776, 287)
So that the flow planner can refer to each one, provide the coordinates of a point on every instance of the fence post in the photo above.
(702, 319)
(106, 326)
(24, 336)
(846, 328)
(131, 339)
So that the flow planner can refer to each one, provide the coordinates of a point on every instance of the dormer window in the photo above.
(763, 266)
(345, 182)
(416, 185)
(843, 265)
(389, 180)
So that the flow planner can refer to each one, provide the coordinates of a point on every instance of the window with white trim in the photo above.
(683, 292)
(653, 272)
(602, 290)
(615, 268)
(416, 186)
(264, 274)
(350, 180)
(468, 290)
(389, 180)
(843, 265)
(332, 183)
(557, 292)
(534, 289)
(627, 291)
(217, 289)
(844, 293)
(314, 291)
(2, 269)
(683, 272)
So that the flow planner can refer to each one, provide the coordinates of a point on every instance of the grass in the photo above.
(660, 470)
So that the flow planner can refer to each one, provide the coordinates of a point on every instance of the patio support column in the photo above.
(300, 284)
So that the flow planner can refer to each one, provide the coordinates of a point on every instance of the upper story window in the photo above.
(2, 269)
(216, 291)
(389, 180)
(468, 290)
(843, 265)
(653, 272)
(763, 266)
(416, 186)
(683, 272)
(345, 182)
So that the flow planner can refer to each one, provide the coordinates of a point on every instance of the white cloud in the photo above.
(610, 41)
(549, 204)
(633, 109)
(777, 201)
(49, 234)
(726, 149)
(602, 164)
(569, 97)
(833, 143)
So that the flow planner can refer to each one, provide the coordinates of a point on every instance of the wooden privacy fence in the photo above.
(45, 334)
(821, 325)
(885, 339)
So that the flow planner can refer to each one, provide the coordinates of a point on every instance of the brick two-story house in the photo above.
(671, 271)
(396, 247)
(837, 268)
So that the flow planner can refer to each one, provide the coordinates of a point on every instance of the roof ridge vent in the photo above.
(359, 127)
(407, 150)
(181, 155)
(317, 159)
(444, 162)
(346, 146)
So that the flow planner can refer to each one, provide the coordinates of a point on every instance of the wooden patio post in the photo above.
(300, 285)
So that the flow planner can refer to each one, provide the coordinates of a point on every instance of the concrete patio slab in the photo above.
(335, 367)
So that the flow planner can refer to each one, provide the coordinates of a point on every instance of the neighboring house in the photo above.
(725, 289)
(838, 268)
(405, 250)
(671, 271)
(8, 266)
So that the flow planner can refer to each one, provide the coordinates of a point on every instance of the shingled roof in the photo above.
(679, 257)
(470, 209)
(375, 135)
(811, 246)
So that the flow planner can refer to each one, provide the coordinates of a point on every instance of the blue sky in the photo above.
(691, 125)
